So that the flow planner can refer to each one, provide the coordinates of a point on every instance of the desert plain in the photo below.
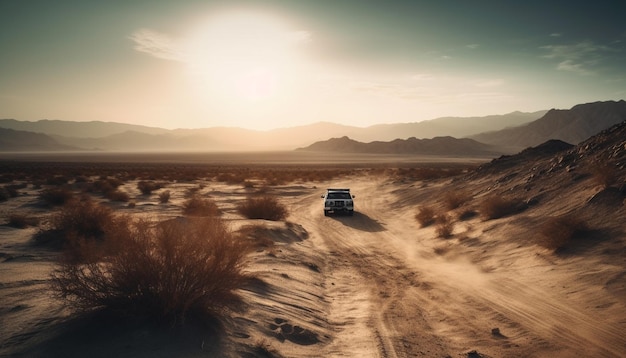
(464, 280)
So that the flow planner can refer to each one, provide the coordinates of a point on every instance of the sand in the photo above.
(375, 284)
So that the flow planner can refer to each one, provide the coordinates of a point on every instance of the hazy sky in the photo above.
(280, 63)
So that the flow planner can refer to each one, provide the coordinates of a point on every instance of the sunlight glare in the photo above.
(241, 55)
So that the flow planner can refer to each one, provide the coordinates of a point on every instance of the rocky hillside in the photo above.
(572, 126)
(436, 146)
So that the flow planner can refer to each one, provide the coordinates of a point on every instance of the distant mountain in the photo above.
(436, 146)
(111, 136)
(23, 141)
(93, 129)
(457, 127)
(572, 126)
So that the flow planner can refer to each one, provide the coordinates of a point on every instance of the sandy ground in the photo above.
(375, 284)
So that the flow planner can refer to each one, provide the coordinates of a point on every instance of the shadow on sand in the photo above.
(360, 221)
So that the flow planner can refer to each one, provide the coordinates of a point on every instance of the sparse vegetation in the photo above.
(82, 218)
(164, 196)
(170, 271)
(56, 195)
(452, 199)
(117, 195)
(197, 206)
(264, 349)
(21, 221)
(146, 187)
(444, 226)
(264, 207)
(557, 232)
(425, 215)
(495, 207)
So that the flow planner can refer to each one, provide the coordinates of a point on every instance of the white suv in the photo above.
(338, 201)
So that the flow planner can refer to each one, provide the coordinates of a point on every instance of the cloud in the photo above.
(165, 47)
(472, 46)
(555, 34)
(579, 58)
(156, 44)
(571, 66)
(435, 89)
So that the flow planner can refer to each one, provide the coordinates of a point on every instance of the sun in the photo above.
(242, 55)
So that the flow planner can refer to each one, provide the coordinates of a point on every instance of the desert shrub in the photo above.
(495, 207)
(248, 184)
(56, 195)
(21, 221)
(197, 206)
(452, 199)
(425, 216)
(263, 207)
(164, 196)
(556, 232)
(117, 195)
(444, 226)
(264, 349)
(170, 271)
(83, 218)
(146, 187)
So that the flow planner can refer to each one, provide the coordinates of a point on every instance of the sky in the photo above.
(283, 63)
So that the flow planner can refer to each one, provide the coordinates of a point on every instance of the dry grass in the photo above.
(164, 196)
(146, 187)
(22, 221)
(454, 198)
(117, 195)
(444, 226)
(263, 207)
(82, 217)
(557, 232)
(197, 206)
(170, 271)
(495, 207)
(56, 195)
(425, 216)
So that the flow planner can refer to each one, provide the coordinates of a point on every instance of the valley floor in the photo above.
(375, 284)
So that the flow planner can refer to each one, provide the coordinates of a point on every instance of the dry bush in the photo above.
(264, 207)
(21, 221)
(263, 349)
(171, 271)
(146, 187)
(82, 218)
(495, 207)
(557, 232)
(164, 196)
(452, 199)
(444, 226)
(56, 195)
(117, 195)
(196, 206)
(425, 216)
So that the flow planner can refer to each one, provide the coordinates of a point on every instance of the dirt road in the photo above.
(391, 296)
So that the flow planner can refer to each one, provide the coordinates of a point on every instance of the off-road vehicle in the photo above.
(338, 201)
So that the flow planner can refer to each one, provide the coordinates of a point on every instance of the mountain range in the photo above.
(508, 133)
